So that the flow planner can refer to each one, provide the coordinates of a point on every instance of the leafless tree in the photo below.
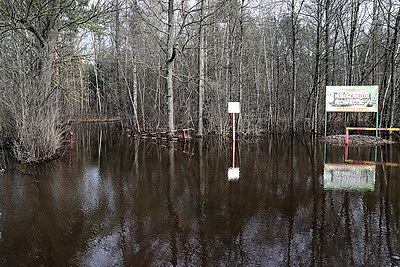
(33, 97)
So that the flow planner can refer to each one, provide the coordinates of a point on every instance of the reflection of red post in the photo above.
(233, 154)
(71, 148)
(346, 145)
(184, 147)
(233, 140)
(70, 140)
(184, 140)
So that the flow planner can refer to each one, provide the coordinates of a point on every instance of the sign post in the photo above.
(233, 108)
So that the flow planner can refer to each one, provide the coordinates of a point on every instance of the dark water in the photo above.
(116, 201)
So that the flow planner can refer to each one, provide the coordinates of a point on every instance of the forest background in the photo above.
(170, 64)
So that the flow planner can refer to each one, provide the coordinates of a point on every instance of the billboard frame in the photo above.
(359, 96)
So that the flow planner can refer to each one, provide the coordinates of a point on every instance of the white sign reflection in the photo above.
(349, 176)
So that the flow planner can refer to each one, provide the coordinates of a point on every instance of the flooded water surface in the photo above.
(116, 201)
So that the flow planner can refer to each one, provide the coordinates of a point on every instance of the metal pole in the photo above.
(233, 128)
(184, 136)
(325, 122)
(184, 140)
(377, 123)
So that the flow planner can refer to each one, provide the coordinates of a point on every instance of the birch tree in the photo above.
(202, 59)
(171, 53)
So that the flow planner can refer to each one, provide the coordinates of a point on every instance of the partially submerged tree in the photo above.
(171, 53)
(30, 33)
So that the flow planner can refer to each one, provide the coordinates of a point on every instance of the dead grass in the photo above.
(356, 140)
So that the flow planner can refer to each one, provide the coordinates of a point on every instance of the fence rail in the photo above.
(366, 129)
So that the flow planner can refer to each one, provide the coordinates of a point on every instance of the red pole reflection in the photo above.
(233, 153)
(71, 148)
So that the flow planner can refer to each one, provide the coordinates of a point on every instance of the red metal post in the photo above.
(184, 140)
(347, 137)
(233, 128)
(184, 135)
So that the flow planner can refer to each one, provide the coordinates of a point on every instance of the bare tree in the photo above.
(200, 126)
(171, 53)
(35, 106)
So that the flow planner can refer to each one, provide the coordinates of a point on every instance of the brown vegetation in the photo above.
(175, 64)
(356, 140)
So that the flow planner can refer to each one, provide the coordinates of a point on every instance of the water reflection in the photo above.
(354, 174)
(233, 172)
(349, 177)
(131, 202)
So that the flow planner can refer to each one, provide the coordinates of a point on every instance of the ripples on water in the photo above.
(115, 201)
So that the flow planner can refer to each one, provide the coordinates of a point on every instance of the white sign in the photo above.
(233, 174)
(349, 176)
(233, 107)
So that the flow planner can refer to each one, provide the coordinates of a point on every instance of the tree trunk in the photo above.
(350, 46)
(200, 130)
(394, 54)
(133, 95)
(240, 73)
(317, 63)
(293, 65)
(170, 64)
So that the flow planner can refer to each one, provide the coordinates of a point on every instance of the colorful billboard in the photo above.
(352, 98)
(349, 176)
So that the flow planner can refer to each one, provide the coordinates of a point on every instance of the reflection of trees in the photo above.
(143, 203)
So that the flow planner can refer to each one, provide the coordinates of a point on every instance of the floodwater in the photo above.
(116, 201)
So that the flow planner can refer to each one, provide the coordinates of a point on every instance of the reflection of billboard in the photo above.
(352, 98)
(349, 176)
